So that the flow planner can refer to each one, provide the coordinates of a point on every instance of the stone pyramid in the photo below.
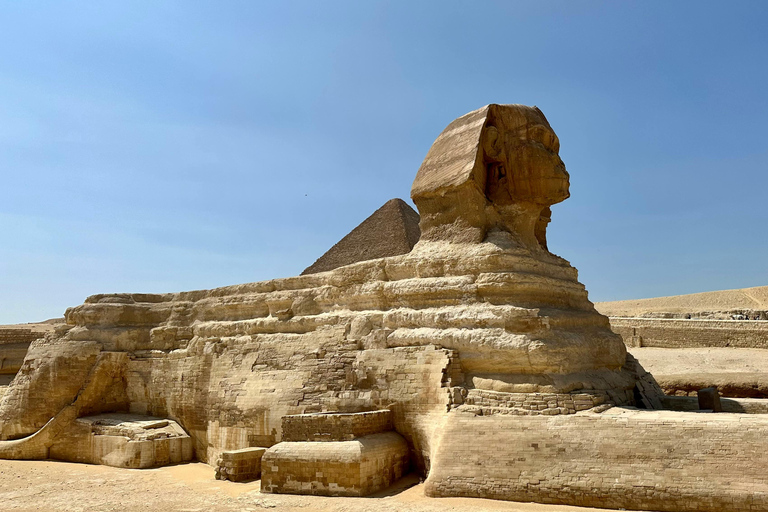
(391, 230)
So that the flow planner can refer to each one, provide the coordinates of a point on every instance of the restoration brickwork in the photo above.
(335, 426)
(661, 460)
(18, 335)
(530, 404)
(240, 465)
(336, 468)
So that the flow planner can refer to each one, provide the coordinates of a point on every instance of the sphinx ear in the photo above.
(493, 148)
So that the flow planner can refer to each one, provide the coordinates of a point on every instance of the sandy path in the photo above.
(47, 486)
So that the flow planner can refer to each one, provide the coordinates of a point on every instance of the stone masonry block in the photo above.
(336, 468)
(240, 465)
(335, 426)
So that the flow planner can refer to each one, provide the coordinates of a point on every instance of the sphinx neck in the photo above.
(521, 220)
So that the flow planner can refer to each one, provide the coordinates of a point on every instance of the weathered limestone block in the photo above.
(124, 441)
(336, 468)
(620, 459)
(102, 391)
(240, 465)
(53, 373)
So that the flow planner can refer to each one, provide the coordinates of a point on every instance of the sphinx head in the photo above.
(494, 168)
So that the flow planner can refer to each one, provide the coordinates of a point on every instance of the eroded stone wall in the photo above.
(14, 343)
(239, 396)
(680, 333)
(9, 336)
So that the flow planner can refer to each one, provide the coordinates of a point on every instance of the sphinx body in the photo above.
(479, 320)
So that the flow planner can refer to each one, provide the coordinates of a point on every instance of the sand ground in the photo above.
(737, 372)
(667, 361)
(47, 486)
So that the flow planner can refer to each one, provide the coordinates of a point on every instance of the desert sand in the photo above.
(47, 486)
(746, 298)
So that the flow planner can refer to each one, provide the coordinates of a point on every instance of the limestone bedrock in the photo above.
(479, 308)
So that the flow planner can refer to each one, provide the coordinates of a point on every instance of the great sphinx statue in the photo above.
(484, 192)
(479, 341)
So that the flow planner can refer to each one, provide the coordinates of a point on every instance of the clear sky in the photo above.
(167, 146)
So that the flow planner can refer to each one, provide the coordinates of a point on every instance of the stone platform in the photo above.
(352, 454)
(336, 468)
(123, 440)
(623, 458)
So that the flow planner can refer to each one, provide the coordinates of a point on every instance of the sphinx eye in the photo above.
(538, 134)
(546, 137)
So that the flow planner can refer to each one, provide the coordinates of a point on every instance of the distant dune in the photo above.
(746, 298)
(44, 326)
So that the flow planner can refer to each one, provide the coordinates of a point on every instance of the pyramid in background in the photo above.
(391, 230)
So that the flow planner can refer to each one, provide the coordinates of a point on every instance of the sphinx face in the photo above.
(522, 161)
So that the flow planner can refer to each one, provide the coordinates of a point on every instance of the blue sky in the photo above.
(167, 146)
